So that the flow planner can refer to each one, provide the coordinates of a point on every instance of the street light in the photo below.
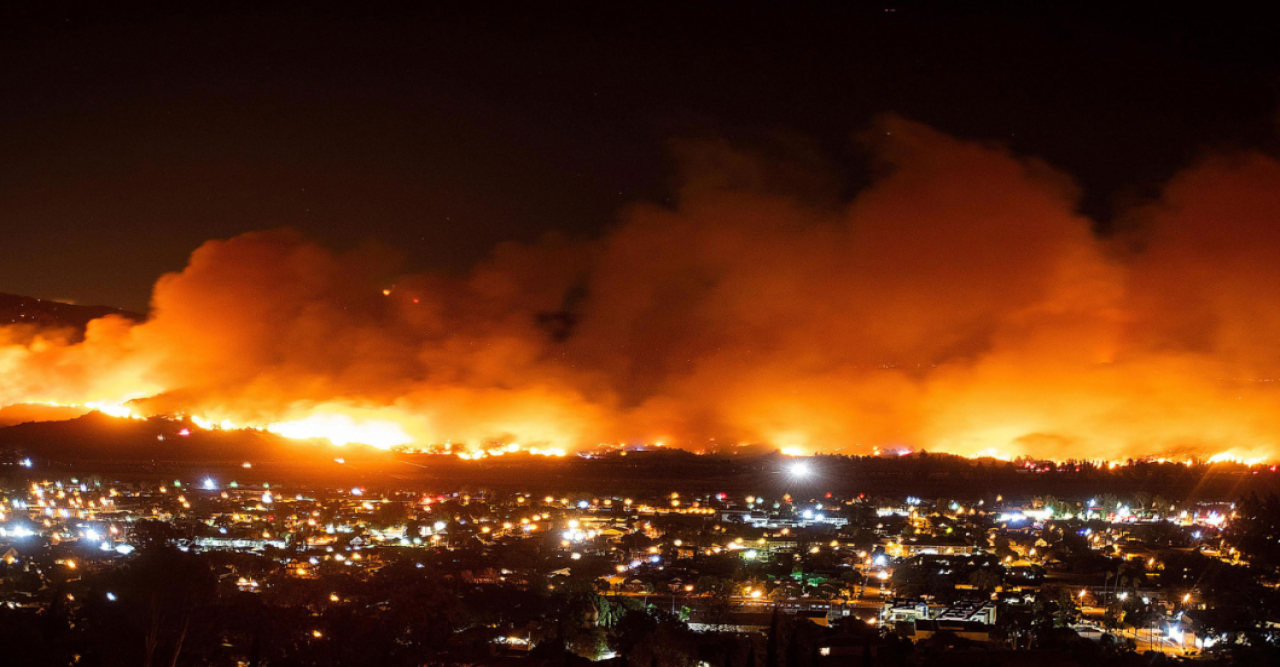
(799, 469)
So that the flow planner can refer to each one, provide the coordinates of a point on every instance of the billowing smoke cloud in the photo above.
(959, 303)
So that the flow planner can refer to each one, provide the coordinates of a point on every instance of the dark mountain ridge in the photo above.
(98, 437)
(43, 313)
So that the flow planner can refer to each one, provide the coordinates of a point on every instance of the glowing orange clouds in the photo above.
(959, 303)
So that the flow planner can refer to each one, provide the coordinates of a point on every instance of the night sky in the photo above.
(128, 139)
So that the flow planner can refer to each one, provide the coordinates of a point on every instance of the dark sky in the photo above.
(126, 140)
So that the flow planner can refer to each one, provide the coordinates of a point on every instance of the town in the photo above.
(250, 572)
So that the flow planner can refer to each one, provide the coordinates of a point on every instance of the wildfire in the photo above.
(1233, 456)
(342, 430)
(512, 448)
(114, 410)
(961, 303)
(209, 424)
(110, 409)
(991, 453)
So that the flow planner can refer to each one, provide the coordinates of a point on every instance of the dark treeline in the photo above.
(923, 474)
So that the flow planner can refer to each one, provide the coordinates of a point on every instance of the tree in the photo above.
(710, 584)
(985, 579)
(589, 643)
(1068, 612)
(390, 514)
(161, 597)
(1253, 530)
(1114, 617)
(851, 579)
(1002, 548)
(771, 643)
(793, 649)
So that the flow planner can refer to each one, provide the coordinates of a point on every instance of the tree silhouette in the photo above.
(771, 643)
(793, 648)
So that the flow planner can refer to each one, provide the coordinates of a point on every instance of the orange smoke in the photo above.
(959, 304)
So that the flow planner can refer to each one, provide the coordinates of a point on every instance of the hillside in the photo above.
(97, 437)
(43, 313)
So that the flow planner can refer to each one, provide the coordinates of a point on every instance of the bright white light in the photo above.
(209, 484)
(111, 597)
(799, 469)
(20, 531)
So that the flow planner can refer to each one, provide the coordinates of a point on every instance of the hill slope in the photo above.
(97, 437)
(43, 313)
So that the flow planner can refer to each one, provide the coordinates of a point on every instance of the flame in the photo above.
(475, 454)
(343, 430)
(107, 408)
(115, 410)
(1235, 456)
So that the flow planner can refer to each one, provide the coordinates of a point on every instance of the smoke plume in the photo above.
(959, 303)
